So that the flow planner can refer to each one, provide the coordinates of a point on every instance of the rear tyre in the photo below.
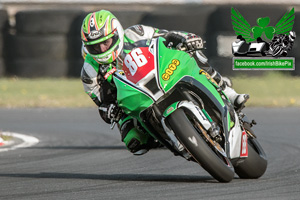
(220, 168)
(256, 163)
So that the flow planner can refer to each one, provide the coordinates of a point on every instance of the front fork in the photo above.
(234, 142)
(202, 122)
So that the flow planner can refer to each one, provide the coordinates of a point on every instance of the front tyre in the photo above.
(220, 168)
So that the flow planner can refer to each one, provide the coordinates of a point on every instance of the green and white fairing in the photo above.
(154, 78)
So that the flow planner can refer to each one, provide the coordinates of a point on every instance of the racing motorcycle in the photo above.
(185, 110)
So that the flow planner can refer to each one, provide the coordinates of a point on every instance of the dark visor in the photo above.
(95, 48)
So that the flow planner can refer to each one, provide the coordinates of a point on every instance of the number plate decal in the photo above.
(138, 63)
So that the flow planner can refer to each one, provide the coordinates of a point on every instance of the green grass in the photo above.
(5, 137)
(19, 92)
(271, 90)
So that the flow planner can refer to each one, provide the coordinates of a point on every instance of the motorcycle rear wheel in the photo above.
(221, 169)
(256, 163)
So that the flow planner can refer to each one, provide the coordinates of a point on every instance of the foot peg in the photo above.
(240, 101)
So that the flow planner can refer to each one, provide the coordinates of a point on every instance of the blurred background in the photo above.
(41, 38)
(40, 46)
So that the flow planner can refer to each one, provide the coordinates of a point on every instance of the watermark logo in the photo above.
(262, 30)
(266, 63)
(260, 46)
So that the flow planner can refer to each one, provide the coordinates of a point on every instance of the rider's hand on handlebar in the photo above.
(186, 42)
(193, 42)
(174, 38)
(112, 111)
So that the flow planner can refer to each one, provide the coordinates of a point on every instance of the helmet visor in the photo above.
(102, 47)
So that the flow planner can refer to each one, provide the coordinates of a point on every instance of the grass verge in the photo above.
(50, 92)
(274, 89)
(271, 90)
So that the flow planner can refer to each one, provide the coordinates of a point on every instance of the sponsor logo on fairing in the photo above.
(110, 72)
(170, 110)
(170, 70)
(244, 145)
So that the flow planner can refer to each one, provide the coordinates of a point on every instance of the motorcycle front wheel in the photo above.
(216, 165)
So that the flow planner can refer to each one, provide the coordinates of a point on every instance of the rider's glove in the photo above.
(174, 38)
(193, 41)
(110, 112)
(190, 41)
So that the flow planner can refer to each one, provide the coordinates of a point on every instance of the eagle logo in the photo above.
(262, 30)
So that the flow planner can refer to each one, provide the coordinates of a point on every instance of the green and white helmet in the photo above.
(98, 27)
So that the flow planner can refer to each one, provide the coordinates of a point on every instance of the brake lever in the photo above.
(193, 50)
(112, 124)
(181, 47)
(116, 119)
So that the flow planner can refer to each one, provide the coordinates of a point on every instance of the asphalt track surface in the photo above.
(79, 157)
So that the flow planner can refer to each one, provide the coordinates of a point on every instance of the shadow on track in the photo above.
(117, 177)
(89, 147)
(80, 147)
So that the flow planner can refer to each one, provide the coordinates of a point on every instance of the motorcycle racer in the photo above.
(105, 45)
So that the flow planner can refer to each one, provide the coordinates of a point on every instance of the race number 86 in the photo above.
(170, 70)
(137, 59)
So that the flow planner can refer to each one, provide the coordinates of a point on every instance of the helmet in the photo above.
(102, 27)
(292, 36)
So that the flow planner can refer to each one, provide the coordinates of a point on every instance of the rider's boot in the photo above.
(238, 100)
(135, 139)
(136, 142)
